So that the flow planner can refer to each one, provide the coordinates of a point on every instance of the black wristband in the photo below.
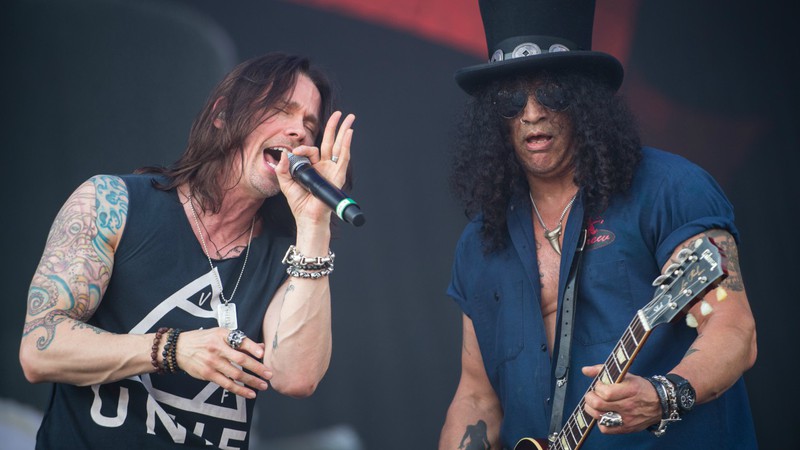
(661, 391)
(669, 408)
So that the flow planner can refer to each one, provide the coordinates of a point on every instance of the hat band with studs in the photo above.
(529, 48)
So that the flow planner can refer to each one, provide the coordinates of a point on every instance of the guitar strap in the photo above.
(564, 341)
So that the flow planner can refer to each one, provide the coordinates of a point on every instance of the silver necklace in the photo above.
(226, 311)
(553, 235)
(219, 254)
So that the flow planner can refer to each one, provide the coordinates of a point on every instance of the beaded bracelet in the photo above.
(164, 355)
(170, 362)
(154, 350)
(173, 357)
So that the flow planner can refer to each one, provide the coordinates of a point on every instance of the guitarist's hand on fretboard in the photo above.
(634, 399)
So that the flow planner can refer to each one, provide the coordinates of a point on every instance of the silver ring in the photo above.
(235, 338)
(334, 158)
(610, 419)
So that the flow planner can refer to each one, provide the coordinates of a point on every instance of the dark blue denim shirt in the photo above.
(670, 201)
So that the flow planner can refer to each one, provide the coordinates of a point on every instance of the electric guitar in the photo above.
(696, 271)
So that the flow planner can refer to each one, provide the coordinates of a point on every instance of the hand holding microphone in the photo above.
(335, 150)
(345, 207)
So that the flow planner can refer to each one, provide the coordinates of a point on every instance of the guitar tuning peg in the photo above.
(721, 293)
(691, 321)
(660, 280)
(705, 308)
(672, 268)
(683, 254)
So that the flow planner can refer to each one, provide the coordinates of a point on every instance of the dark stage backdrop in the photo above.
(101, 86)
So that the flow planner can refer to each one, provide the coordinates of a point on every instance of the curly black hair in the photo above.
(486, 173)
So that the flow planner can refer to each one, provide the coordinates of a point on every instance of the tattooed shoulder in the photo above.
(727, 244)
(111, 201)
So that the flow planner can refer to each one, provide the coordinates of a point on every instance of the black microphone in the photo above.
(345, 207)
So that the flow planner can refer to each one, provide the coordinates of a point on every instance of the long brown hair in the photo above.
(252, 87)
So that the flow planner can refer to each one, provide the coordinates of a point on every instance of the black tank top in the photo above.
(161, 278)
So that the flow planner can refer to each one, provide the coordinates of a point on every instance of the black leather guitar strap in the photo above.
(564, 341)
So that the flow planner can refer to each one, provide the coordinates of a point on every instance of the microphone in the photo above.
(345, 207)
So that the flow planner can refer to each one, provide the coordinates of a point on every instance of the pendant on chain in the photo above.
(553, 236)
(226, 316)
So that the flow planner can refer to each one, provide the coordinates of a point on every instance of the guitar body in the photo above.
(531, 444)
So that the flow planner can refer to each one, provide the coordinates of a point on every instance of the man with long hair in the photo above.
(572, 220)
(167, 299)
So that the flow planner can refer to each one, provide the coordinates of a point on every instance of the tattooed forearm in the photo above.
(475, 437)
(289, 288)
(726, 243)
(86, 326)
(690, 351)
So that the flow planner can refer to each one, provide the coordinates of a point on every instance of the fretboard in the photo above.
(579, 423)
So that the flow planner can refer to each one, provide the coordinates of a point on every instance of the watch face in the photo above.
(686, 398)
(684, 391)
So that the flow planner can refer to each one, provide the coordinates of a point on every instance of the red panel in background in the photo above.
(457, 23)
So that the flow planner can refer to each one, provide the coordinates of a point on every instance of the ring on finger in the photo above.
(334, 158)
(610, 419)
(235, 339)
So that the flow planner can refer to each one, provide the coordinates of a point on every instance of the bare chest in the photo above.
(549, 266)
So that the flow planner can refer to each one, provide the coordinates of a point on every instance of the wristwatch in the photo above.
(684, 392)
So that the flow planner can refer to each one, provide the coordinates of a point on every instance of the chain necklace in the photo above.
(220, 255)
(226, 311)
(553, 235)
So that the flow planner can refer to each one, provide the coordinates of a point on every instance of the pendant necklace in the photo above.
(226, 311)
(553, 235)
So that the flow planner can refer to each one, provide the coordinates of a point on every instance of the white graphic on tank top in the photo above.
(199, 298)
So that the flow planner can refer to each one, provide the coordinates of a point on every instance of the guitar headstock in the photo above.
(698, 269)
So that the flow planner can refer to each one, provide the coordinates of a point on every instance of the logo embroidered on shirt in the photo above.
(597, 237)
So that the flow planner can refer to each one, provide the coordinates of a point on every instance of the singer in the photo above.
(166, 300)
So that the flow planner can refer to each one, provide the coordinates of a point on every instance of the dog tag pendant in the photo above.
(226, 316)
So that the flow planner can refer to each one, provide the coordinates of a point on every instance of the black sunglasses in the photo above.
(510, 103)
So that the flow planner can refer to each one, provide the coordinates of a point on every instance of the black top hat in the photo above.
(529, 35)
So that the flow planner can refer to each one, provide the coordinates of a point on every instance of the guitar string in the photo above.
(628, 337)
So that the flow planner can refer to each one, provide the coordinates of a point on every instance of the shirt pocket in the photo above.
(499, 322)
(605, 303)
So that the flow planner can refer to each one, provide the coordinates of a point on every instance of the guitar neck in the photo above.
(579, 423)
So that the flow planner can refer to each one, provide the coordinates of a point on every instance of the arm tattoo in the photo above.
(289, 288)
(690, 351)
(725, 242)
(77, 261)
(475, 437)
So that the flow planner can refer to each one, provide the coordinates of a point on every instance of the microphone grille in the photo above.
(295, 161)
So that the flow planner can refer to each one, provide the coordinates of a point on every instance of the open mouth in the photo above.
(273, 154)
(538, 139)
